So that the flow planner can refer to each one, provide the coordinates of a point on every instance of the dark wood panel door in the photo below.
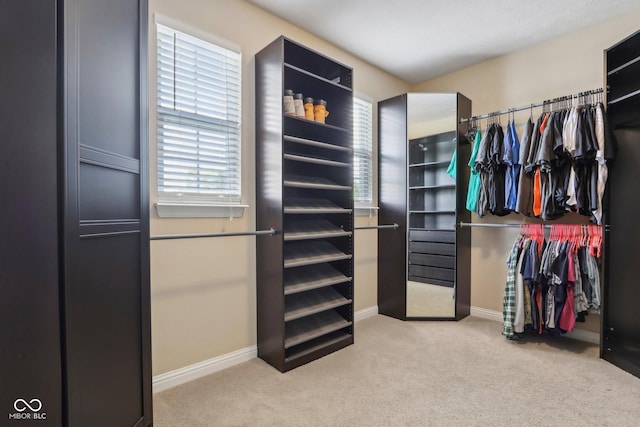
(392, 184)
(29, 316)
(106, 235)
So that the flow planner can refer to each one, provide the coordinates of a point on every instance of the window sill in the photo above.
(182, 210)
(365, 210)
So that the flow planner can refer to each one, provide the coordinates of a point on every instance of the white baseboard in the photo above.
(483, 313)
(577, 334)
(365, 313)
(198, 370)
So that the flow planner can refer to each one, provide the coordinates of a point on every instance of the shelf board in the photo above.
(432, 212)
(318, 344)
(427, 164)
(307, 303)
(314, 326)
(433, 187)
(313, 206)
(315, 76)
(312, 123)
(623, 66)
(312, 182)
(315, 160)
(305, 253)
(317, 229)
(312, 277)
(433, 229)
(314, 143)
(624, 97)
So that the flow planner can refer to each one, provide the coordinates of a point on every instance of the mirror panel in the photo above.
(431, 200)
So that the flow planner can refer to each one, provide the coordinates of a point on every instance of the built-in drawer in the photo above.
(432, 272)
(439, 282)
(432, 260)
(432, 248)
(441, 236)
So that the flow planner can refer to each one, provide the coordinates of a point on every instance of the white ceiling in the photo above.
(417, 40)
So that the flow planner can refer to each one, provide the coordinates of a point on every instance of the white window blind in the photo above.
(362, 152)
(198, 100)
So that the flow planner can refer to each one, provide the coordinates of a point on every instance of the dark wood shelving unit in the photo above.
(620, 337)
(304, 190)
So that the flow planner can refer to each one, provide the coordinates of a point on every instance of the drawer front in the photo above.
(432, 248)
(432, 236)
(446, 283)
(432, 260)
(432, 272)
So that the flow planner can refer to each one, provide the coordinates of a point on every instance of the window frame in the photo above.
(193, 204)
(364, 207)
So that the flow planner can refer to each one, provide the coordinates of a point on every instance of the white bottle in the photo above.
(288, 106)
(298, 105)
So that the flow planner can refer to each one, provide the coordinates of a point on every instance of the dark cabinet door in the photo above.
(106, 232)
(392, 182)
(29, 318)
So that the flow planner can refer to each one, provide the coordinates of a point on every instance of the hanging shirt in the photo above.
(524, 179)
(603, 171)
(451, 170)
(474, 177)
(509, 299)
(511, 188)
(482, 165)
(569, 141)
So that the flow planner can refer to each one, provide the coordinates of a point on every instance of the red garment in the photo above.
(568, 317)
(537, 193)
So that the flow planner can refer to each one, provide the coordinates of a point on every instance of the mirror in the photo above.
(431, 199)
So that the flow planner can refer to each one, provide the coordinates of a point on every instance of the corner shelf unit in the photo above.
(620, 337)
(304, 190)
(418, 194)
(623, 85)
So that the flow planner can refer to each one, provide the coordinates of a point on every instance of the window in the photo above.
(198, 101)
(362, 153)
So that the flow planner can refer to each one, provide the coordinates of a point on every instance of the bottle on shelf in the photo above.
(308, 108)
(320, 112)
(288, 106)
(298, 105)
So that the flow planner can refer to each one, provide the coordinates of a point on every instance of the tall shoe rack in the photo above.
(304, 190)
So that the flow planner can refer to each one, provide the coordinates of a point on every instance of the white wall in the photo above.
(203, 300)
(562, 66)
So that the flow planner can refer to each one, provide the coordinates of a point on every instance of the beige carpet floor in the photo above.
(417, 374)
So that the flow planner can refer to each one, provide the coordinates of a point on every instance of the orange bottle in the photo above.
(308, 108)
(320, 110)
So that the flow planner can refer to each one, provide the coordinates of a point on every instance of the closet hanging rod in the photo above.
(493, 225)
(512, 225)
(269, 232)
(379, 227)
(530, 106)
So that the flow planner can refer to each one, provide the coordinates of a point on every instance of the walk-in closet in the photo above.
(287, 212)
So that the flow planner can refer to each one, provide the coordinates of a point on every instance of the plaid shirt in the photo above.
(509, 301)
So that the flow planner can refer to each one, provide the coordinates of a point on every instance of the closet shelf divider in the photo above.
(314, 143)
(315, 160)
(314, 326)
(307, 303)
(315, 76)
